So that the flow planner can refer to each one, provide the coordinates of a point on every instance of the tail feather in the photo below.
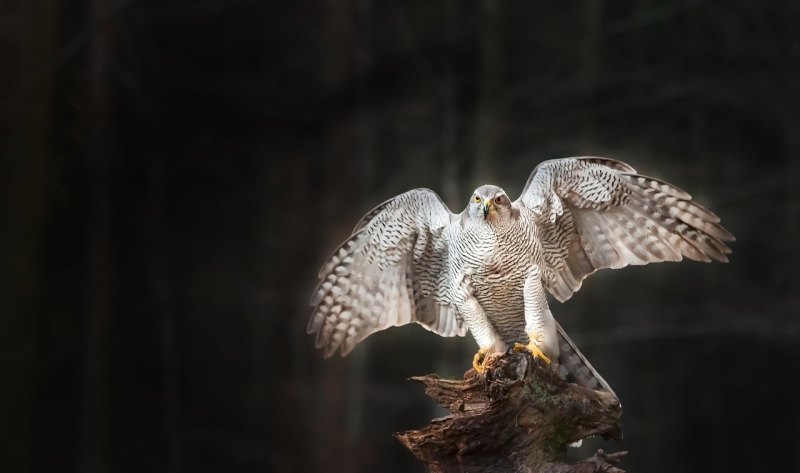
(577, 366)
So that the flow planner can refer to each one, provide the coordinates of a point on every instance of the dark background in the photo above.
(173, 175)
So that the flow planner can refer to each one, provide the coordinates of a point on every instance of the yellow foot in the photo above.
(533, 349)
(479, 360)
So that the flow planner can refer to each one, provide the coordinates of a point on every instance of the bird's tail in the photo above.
(577, 366)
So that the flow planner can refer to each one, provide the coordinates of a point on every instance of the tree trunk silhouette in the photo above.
(25, 117)
(490, 86)
(98, 293)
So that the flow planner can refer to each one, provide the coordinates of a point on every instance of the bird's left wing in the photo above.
(595, 213)
(386, 274)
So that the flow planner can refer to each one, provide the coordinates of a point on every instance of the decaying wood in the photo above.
(518, 416)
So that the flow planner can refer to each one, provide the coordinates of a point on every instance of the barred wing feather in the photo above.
(595, 213)
(387, 273)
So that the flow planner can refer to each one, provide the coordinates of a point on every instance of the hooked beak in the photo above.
(486, 207)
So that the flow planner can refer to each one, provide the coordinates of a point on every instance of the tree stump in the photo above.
(517, 416)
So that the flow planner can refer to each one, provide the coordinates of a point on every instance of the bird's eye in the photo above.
(498, 199)
(476, 199)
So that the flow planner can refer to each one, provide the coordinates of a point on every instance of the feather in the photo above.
(619, 218)
(376, 278)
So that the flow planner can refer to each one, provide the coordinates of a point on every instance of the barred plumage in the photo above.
(411, 260)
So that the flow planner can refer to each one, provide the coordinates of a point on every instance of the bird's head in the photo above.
(489, 203)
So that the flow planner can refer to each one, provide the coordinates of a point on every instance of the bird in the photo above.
(487, 270)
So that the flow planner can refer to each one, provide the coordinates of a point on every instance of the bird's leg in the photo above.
(471, 311)
(479, 360)
(532, 348)
(539, 323)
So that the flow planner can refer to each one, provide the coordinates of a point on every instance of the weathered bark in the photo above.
(518, 416)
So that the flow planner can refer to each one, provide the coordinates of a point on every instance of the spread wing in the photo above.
(595, 213)
(386, 274)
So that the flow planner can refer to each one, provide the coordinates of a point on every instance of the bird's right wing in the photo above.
(595, 213)
(386, 274)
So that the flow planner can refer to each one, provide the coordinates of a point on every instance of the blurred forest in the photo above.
(173, 175)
